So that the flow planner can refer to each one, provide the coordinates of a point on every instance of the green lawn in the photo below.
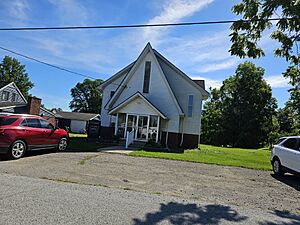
(77, 135)
(247, 158)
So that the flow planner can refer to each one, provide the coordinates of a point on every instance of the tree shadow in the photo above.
(294, 218)
(290, 180)
(179, 214)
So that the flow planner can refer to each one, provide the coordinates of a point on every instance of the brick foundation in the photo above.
(107, 133)
(174, 139)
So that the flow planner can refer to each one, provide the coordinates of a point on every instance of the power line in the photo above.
(47, 64)
(134, 25)
(54, 66)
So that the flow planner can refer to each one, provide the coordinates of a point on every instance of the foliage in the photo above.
(240, 113)
(11, 70)
(86, 97)
(246, 34)
(212, 119)
(246, 158)
(55, 110)
(288, 121)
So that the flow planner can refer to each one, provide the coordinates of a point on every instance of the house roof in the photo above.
(46, 111)
(131, 98)
(122, 86)
(3, 84)
(205, 94)
(130, 69)
(7, 105)
(117, 75)
(77, 116)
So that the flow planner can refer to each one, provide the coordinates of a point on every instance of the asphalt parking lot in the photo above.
(194, 181)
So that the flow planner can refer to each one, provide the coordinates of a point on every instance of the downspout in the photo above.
(181, 127)
(199, 138)
(167, 135)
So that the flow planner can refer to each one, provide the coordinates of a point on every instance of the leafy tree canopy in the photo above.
(246, 34)
(86, 96)
(11, 70)
(240, 113)
(54, 110)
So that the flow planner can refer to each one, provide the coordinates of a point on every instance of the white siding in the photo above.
(78, 126)
(12, 89)
(158, 94)
(138, 106)
(182, 89)
(105, 118)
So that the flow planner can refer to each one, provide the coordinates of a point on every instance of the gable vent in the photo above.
(201, 83)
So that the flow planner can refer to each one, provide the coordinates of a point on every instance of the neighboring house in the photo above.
(75, 121)
(156, 99)
(13, 101)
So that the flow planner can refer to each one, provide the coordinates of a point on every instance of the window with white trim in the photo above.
(13, 97)
(190, 105)
(5, 95)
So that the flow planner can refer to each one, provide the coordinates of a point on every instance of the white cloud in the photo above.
(173, 11)
(17, 9)
(71, 11)
(277, 81)
(208, 82)
(230, 63)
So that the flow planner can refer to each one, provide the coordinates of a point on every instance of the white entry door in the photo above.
(142, 128)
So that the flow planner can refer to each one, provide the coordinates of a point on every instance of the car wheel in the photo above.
(62, 144)
(17, 150)
(277, 168)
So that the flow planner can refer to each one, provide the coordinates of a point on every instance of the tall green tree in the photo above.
(11, 70)
(86, 97)
(246, 35)
(211, 131)
(288, 120)
(242, 110)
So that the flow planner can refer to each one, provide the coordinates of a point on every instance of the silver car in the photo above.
(286, 155)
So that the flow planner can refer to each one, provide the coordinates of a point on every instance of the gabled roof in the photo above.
(146, 50)
(77, 116)
(133, 97)
(180, 72)
(8, 105)
(116, 76)
(4, 84)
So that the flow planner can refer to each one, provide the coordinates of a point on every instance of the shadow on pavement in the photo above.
(179, 214)
(294, 218)
(290, 180)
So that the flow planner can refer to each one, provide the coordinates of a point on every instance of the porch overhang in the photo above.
(138, 98)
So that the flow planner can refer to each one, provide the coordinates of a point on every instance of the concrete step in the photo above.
(138, 144)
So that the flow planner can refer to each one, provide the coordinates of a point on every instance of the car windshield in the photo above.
(7, 121)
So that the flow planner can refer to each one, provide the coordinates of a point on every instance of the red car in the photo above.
(21, 133)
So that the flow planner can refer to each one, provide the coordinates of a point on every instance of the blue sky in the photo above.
(200, 51)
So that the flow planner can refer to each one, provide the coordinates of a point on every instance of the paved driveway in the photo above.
(205, 183)
(32, 201)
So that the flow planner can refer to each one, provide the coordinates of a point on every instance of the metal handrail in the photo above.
(129, 138)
